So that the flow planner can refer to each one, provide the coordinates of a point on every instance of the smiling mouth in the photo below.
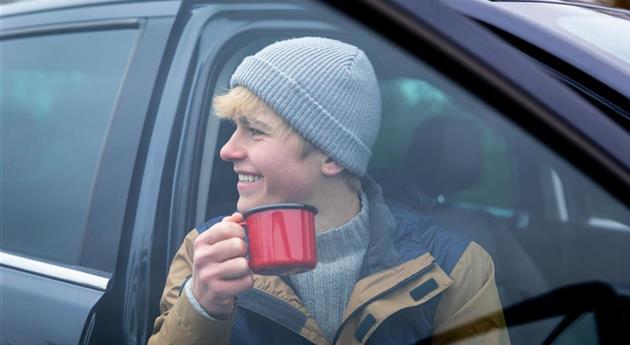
(248, 178)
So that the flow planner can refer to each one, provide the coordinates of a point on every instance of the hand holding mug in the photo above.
(281, 241)
(220, 267)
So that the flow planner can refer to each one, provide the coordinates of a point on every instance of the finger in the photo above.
(233, 287)
(235, 217)
(234, 269)
(219, 252)
(219, 232)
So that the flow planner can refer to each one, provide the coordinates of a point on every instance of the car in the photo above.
(110, 152)
(583, 45)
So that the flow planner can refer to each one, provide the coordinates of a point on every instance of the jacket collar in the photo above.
(381, 253)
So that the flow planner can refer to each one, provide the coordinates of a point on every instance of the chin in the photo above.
(244, 205)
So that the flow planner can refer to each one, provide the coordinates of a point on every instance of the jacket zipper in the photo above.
(399, 284)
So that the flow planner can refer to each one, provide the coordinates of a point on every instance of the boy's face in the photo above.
(266, 157)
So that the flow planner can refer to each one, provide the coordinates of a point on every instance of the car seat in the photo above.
(444, 157)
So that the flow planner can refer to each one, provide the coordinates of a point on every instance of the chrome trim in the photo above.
(54, 271)
(561, 203)
(609, 224)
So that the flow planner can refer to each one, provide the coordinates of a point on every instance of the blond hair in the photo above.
(239, 101)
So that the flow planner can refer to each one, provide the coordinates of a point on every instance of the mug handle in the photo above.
(244, 225)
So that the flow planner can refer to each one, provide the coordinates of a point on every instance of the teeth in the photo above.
(248, 178)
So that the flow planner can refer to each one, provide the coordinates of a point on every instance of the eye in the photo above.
(254, 131)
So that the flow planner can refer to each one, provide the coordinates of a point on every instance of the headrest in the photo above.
(444, 156)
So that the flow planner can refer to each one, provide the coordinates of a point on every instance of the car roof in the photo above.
(509, 17)
(592, 6)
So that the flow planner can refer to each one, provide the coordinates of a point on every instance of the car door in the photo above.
(75, 90)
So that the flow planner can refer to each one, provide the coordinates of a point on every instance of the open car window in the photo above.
(445, 153)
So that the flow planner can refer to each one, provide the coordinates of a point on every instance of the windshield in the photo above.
(602, 34)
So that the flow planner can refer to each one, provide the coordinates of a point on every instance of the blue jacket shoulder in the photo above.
(416, 234)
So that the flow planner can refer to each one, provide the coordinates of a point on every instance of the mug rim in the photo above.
(257, 209)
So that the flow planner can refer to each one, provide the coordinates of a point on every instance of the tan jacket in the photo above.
(468, 307)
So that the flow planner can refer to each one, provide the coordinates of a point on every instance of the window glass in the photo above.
(57, 94)
(602, 210)
(582, 330)
(404, 97)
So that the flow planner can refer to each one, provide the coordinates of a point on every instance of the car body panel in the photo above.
(44, 299)
(38, 310)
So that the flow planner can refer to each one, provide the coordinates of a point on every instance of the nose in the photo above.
(232, 150)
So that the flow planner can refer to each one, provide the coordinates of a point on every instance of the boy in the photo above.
(307, 112)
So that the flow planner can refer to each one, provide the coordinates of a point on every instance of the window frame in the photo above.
(112, 177)
(131, 122)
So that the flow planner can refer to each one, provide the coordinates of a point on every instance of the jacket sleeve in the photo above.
(470, 311)
(179, 322)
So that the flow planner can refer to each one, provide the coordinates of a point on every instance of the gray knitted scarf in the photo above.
(326, 289)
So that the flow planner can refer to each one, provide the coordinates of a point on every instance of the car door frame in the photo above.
(111, 203)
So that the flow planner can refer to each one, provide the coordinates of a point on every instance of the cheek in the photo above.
(287, 175)
(294, 178)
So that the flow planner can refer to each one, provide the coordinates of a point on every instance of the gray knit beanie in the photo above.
(325, 89)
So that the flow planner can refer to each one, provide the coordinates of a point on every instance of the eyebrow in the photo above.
(260, 124)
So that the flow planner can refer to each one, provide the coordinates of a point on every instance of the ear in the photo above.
(330, 167)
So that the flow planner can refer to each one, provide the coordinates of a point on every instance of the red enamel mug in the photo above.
(281, 238)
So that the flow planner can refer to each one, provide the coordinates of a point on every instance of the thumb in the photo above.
(234, 218)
